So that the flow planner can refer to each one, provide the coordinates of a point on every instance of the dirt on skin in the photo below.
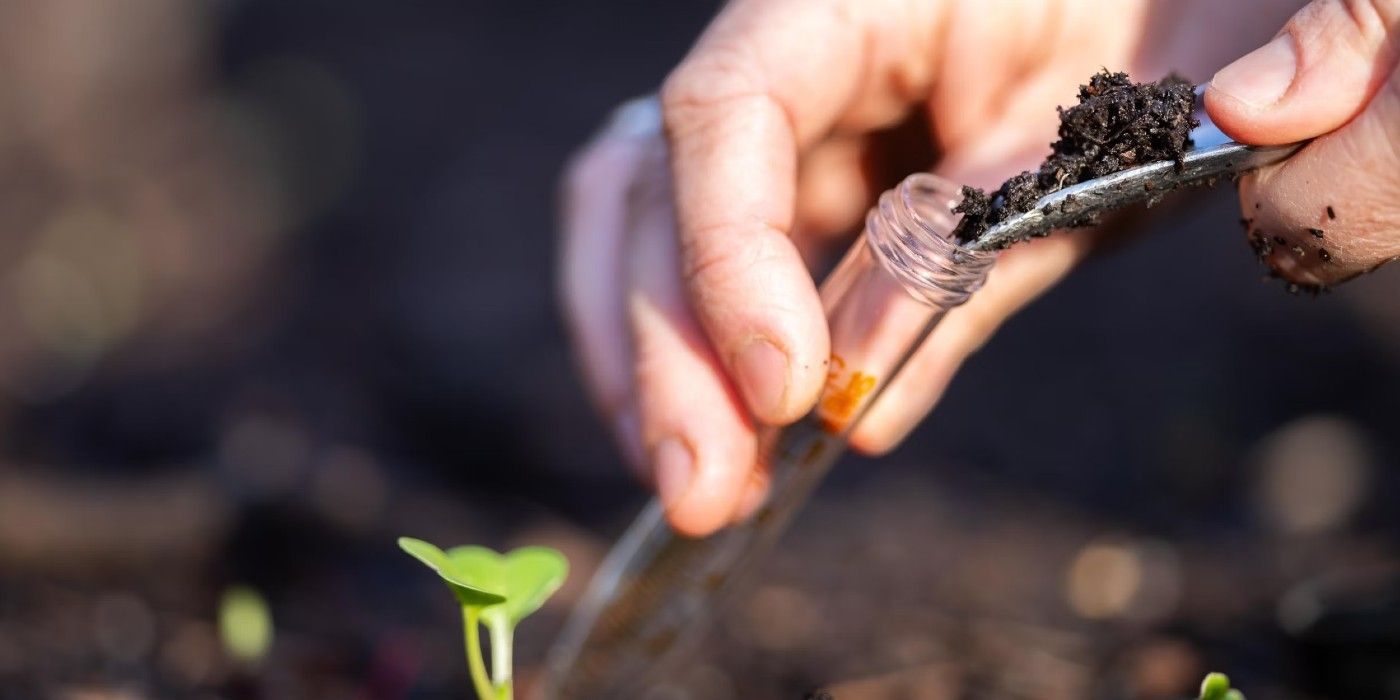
(1118, 124)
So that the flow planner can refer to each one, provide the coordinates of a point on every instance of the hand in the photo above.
(683, 273)
(1330, 75)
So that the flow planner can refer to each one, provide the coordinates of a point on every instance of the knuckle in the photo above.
(701, 261)
(1374, 18)
(1356, 27)
(719, 256)
(705, 85)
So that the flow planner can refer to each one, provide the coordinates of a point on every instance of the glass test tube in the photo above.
(654, 595)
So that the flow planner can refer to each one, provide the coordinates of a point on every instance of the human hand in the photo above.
(1332, 211)
(683, 273)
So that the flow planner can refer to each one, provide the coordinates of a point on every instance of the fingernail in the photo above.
(762, 371)
(1261, 77)
(674, 468)
(629, 436)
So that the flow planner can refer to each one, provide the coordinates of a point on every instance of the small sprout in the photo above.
(1331, 213)
(1216, 686)
(245, 624)
(495, 590)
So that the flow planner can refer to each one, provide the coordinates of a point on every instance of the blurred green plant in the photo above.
(1216, 686)
(495, 590)
(245, 624)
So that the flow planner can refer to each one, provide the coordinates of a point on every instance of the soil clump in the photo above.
(1117, 124)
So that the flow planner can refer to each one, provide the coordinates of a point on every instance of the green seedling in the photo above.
(495, 590)
(1216, 686)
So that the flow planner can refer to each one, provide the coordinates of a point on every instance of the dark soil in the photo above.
(1118, 124)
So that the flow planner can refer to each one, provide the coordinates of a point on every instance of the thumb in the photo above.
(1315, 76)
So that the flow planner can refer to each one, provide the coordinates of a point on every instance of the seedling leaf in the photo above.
(526, 577)
(533, 574)
(464, 587)
(1215, 686)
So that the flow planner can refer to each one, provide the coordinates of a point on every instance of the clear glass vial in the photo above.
(656, 591)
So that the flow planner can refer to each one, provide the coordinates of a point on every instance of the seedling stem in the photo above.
(471, 622)
(501, 644)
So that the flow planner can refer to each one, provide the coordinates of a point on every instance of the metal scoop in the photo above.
(1212, 155)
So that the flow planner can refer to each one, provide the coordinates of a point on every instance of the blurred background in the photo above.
(276, 287)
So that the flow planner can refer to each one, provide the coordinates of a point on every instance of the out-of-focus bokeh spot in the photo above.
(1163, 668)
(77, 292)
(349, 488)
(309, 122)
(191, 653)
(264, 454)
(1313, 474)
(245, 624)
(124, 627)
(1104, 579)
(782, 619)
(1113, 578)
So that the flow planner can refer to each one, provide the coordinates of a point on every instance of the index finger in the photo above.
(767, 79)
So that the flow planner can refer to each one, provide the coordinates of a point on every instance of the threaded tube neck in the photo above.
(910, 231)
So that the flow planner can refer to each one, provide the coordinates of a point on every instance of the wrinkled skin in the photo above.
(684, 250)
